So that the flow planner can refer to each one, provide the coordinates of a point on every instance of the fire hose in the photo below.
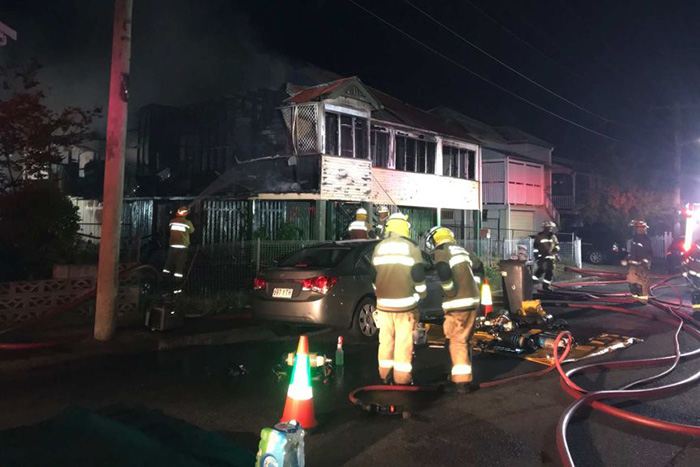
(57, 311)
(626, 392)
(388, 409)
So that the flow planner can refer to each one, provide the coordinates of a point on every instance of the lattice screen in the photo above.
(302, 124)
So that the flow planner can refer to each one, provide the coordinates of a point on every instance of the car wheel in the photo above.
(363, 320)
(596, 257)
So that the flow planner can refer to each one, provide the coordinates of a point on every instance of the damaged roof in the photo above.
(302, 94)
(387, 108)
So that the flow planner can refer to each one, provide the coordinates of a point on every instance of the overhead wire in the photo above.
(502, 63)
(481, 77)
(521, 40)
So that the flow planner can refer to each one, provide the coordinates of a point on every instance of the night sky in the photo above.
(617, 59)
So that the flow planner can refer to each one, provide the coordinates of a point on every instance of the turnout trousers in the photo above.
(396, 344)
(175, 264)
(638, 279)
(459, 328)
(545, 266)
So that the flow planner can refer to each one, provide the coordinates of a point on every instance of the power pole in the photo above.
(678, 123)
(107, 270)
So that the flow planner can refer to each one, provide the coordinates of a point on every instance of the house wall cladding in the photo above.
(423, 190)
(346, 179)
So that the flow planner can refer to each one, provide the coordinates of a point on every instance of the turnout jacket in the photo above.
(454, 267)
(398, 274)
(180, 230)
(546, 245)
(641, 251)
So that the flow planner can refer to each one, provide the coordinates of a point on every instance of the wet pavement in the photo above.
(508, 425)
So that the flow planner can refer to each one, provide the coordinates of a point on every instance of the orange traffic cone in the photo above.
(486, 300)
(300, 404)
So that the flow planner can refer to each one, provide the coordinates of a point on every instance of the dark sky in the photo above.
(617, 59)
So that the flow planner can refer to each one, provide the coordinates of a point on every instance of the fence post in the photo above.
(257, 256)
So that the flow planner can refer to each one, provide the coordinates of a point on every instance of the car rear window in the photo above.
(316, 257)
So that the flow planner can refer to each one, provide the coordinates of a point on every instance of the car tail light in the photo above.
(320, 284)
(259, 283)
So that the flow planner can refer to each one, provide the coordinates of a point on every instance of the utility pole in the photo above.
(677, 121)
(107, 270)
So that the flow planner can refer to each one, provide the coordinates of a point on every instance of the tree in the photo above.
(39, 229)
(33, 136)
(616, 206)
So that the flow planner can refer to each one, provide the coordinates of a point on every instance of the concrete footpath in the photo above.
(77, 344)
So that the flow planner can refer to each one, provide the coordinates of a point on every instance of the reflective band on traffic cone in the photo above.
(486, 301)
(300, 403)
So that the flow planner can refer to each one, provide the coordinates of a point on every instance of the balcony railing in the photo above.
(564, 201)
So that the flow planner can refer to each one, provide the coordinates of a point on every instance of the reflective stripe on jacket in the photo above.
(546, 244)
(454, 267)
(399, 274)
(180, 231)
(641, 251)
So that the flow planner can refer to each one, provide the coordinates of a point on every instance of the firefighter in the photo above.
(639, 261)
(398, 274)
(180, 230)
(383, 213)
(359, 229)
(460, 303)
(546, 249)
(691, 271)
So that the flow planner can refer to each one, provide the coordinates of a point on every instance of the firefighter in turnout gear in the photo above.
(383, 213)
(180, 230)
(398, 276)
(691, 271)
(546, 249)
(639, 260)
(460, 302)
(359, 229)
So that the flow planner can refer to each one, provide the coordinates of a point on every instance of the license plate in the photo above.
(282, 293)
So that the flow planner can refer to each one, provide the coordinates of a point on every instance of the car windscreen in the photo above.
(322, 257)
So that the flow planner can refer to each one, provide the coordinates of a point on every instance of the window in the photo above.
(380, 146)
(458, 162)
(346, 136)
(332, 133)
(562, 184)
(315, 258)
(415, 155)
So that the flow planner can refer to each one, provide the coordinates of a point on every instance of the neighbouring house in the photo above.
(516, 176)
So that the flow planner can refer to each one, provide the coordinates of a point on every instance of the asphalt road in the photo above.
(508, 425)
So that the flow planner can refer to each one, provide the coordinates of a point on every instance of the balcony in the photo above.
(564, 202)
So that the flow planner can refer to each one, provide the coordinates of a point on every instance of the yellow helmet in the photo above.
(398, 224)
(441, 235)
(361, 214)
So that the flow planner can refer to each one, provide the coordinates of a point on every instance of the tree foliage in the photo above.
(32, 135)
(39, 229)
(615, 206)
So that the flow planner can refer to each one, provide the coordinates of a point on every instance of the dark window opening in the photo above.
(332, 134)
(414, 155)
(562, 184)
(400, 153)
(458, 162)
(380, 147)
(346, 136)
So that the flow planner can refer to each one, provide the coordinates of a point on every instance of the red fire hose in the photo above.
(593, 398)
